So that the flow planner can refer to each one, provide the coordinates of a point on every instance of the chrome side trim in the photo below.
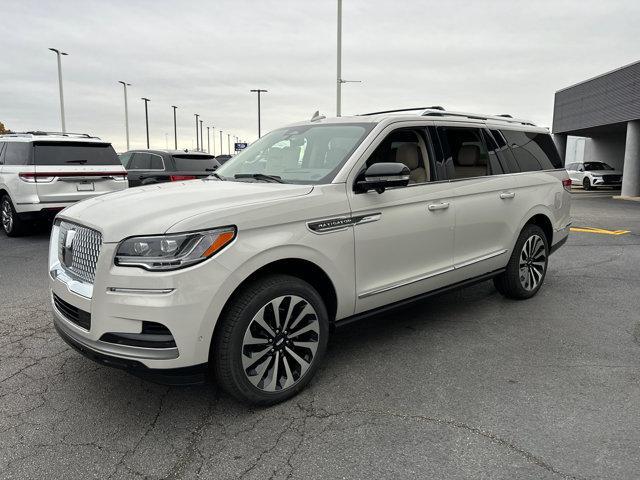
(342, 222)
(122, 351)
(75, 286)
(479, 259)
(403, 283)
(140, 291)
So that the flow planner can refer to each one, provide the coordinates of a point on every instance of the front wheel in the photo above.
(586, 183)
(271, 341)
(527, 266)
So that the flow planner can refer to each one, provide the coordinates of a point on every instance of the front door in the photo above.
(403, 236)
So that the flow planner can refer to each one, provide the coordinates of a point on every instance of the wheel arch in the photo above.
(544, 222)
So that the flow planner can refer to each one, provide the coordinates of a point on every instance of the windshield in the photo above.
(591, 166)
(307, 154)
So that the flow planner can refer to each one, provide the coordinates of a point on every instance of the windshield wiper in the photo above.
(218, 176)
(260, 176)
(81, 162)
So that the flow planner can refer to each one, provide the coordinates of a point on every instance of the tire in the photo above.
(11, 222)
(531, 254)
(240, 364)
(586, 183)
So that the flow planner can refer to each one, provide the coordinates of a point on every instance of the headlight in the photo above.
(173, 251)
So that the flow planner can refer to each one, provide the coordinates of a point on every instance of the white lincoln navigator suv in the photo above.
(245, 272)
(42, 172)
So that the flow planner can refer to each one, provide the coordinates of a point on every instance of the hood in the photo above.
(153, 209)
(599, 173)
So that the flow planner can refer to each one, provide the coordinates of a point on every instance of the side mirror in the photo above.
(381, 176)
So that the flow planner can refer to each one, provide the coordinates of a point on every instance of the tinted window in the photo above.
(2, 144)
(125, 158)
(593, 166)
(17, 153)
(533, 151)
(76, 153)
(156, 162)
(504, 153)
(495, 168)
(140, 161)
(465, 154)
(195, 163)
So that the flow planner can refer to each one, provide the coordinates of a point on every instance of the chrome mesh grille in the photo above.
(86, 248)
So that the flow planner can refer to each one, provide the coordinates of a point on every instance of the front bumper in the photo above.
(176, 376)
(603, 182)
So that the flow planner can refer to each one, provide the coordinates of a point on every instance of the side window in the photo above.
(2, 144)
(545, 150)
(495, 168)
(17, 153)
(410, 147)
(140, 161)
(524, 150)
(465, 153)
(125, 159)
(156, 162)
(504, 153)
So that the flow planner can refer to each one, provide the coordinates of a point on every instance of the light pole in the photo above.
(229, 143)
(58, 54)
(146, 117)
(213, 138)
(258, 91)
(220, 141)
(175, 128)
(208, 141)
(201, 138)
(339, 80)
(197, 144)
(126, 110)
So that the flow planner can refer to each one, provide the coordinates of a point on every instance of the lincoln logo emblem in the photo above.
(67, 249)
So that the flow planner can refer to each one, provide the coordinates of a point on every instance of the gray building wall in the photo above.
(606, 148)
(604, 100)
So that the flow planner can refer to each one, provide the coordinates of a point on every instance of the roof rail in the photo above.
(438, 111)
(475, 116)
(400, 110)
(41, 133)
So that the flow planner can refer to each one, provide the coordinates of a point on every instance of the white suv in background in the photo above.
(41, 173)
(313, 225)
(594, 174)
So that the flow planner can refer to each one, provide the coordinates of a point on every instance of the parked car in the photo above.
(315, 224)
(42, 172)
(594, 174)
(156, 166)
(222, 159)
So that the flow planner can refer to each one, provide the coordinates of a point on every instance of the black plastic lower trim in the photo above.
(193, 375)
(407, 301)
(555, 247)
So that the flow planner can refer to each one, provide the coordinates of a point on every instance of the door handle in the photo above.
(438, 206)
(506, 195)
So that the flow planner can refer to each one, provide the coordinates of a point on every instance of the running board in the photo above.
(392, 306)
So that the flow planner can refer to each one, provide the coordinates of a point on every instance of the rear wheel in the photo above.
(271, 341)
(586, 183)
(527, 266)
(12, 225)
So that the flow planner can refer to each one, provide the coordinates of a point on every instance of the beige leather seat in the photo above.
(409, 154)
(469, 163)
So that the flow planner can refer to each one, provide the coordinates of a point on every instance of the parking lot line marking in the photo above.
(601, 231)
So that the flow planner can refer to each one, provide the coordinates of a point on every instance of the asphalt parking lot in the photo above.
(465, 385)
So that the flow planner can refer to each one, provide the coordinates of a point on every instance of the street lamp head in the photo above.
(59, 52)
(145, 99)
(258, 90)
(173, 106)
(124, 83)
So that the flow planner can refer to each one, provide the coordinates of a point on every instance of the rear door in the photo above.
(487, 204)
(145, 168)
(72, 171)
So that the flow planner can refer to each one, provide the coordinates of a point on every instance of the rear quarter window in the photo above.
(533, 150)
(76, 153)
(17, 153)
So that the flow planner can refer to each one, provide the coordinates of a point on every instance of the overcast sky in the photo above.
(205, 56)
